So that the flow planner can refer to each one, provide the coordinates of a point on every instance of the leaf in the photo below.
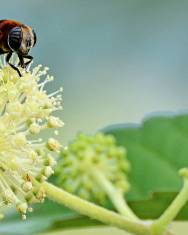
(154, 206)
(157, 149)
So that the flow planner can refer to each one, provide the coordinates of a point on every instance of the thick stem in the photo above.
(160, 225)
(93, 211)
(114, 195)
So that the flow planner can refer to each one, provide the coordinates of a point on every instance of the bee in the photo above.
(18, 38)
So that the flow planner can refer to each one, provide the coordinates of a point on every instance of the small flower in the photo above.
(86, 153)
(26, 110)
(184, 173)
(53, 145)
(54, 122)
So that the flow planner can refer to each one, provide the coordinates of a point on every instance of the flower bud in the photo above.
(48, 171)
(22, 208)
(85, 153)
(54, 122)
(53, 145)
(27, 186)
(34, 128)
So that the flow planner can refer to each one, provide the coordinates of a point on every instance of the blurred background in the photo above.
(118, 60)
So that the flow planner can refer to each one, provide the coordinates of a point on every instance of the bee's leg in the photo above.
(30, 58)
(21, 61)
(14, 67)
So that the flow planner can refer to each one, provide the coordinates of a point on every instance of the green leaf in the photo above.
(154, 206)
(157, 149)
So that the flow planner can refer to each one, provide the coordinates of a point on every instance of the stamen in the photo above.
(26, 110)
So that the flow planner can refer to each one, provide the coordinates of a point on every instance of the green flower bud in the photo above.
(76, 164)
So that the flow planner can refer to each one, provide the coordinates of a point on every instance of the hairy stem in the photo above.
(115, 195)
(93, 211)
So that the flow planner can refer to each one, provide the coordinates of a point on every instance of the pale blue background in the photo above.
(118, 60)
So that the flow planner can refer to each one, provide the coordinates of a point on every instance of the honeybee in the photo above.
(18, 38)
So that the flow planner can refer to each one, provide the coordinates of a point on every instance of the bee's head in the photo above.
(21, 39)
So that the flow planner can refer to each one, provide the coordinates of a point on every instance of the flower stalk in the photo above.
(93, 211)
(115, 195)
(159, 226)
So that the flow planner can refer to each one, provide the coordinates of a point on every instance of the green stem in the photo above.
(95, 212)
(160, 225)
(115, 195)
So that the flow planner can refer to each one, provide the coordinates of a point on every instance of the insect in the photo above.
(19, 38)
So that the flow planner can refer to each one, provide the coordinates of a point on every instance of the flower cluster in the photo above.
(25, 110)
(76, 164)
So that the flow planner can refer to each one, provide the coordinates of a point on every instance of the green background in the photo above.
(117, 59)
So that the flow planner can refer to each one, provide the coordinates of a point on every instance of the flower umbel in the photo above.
(90, 156)
(25, 110)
